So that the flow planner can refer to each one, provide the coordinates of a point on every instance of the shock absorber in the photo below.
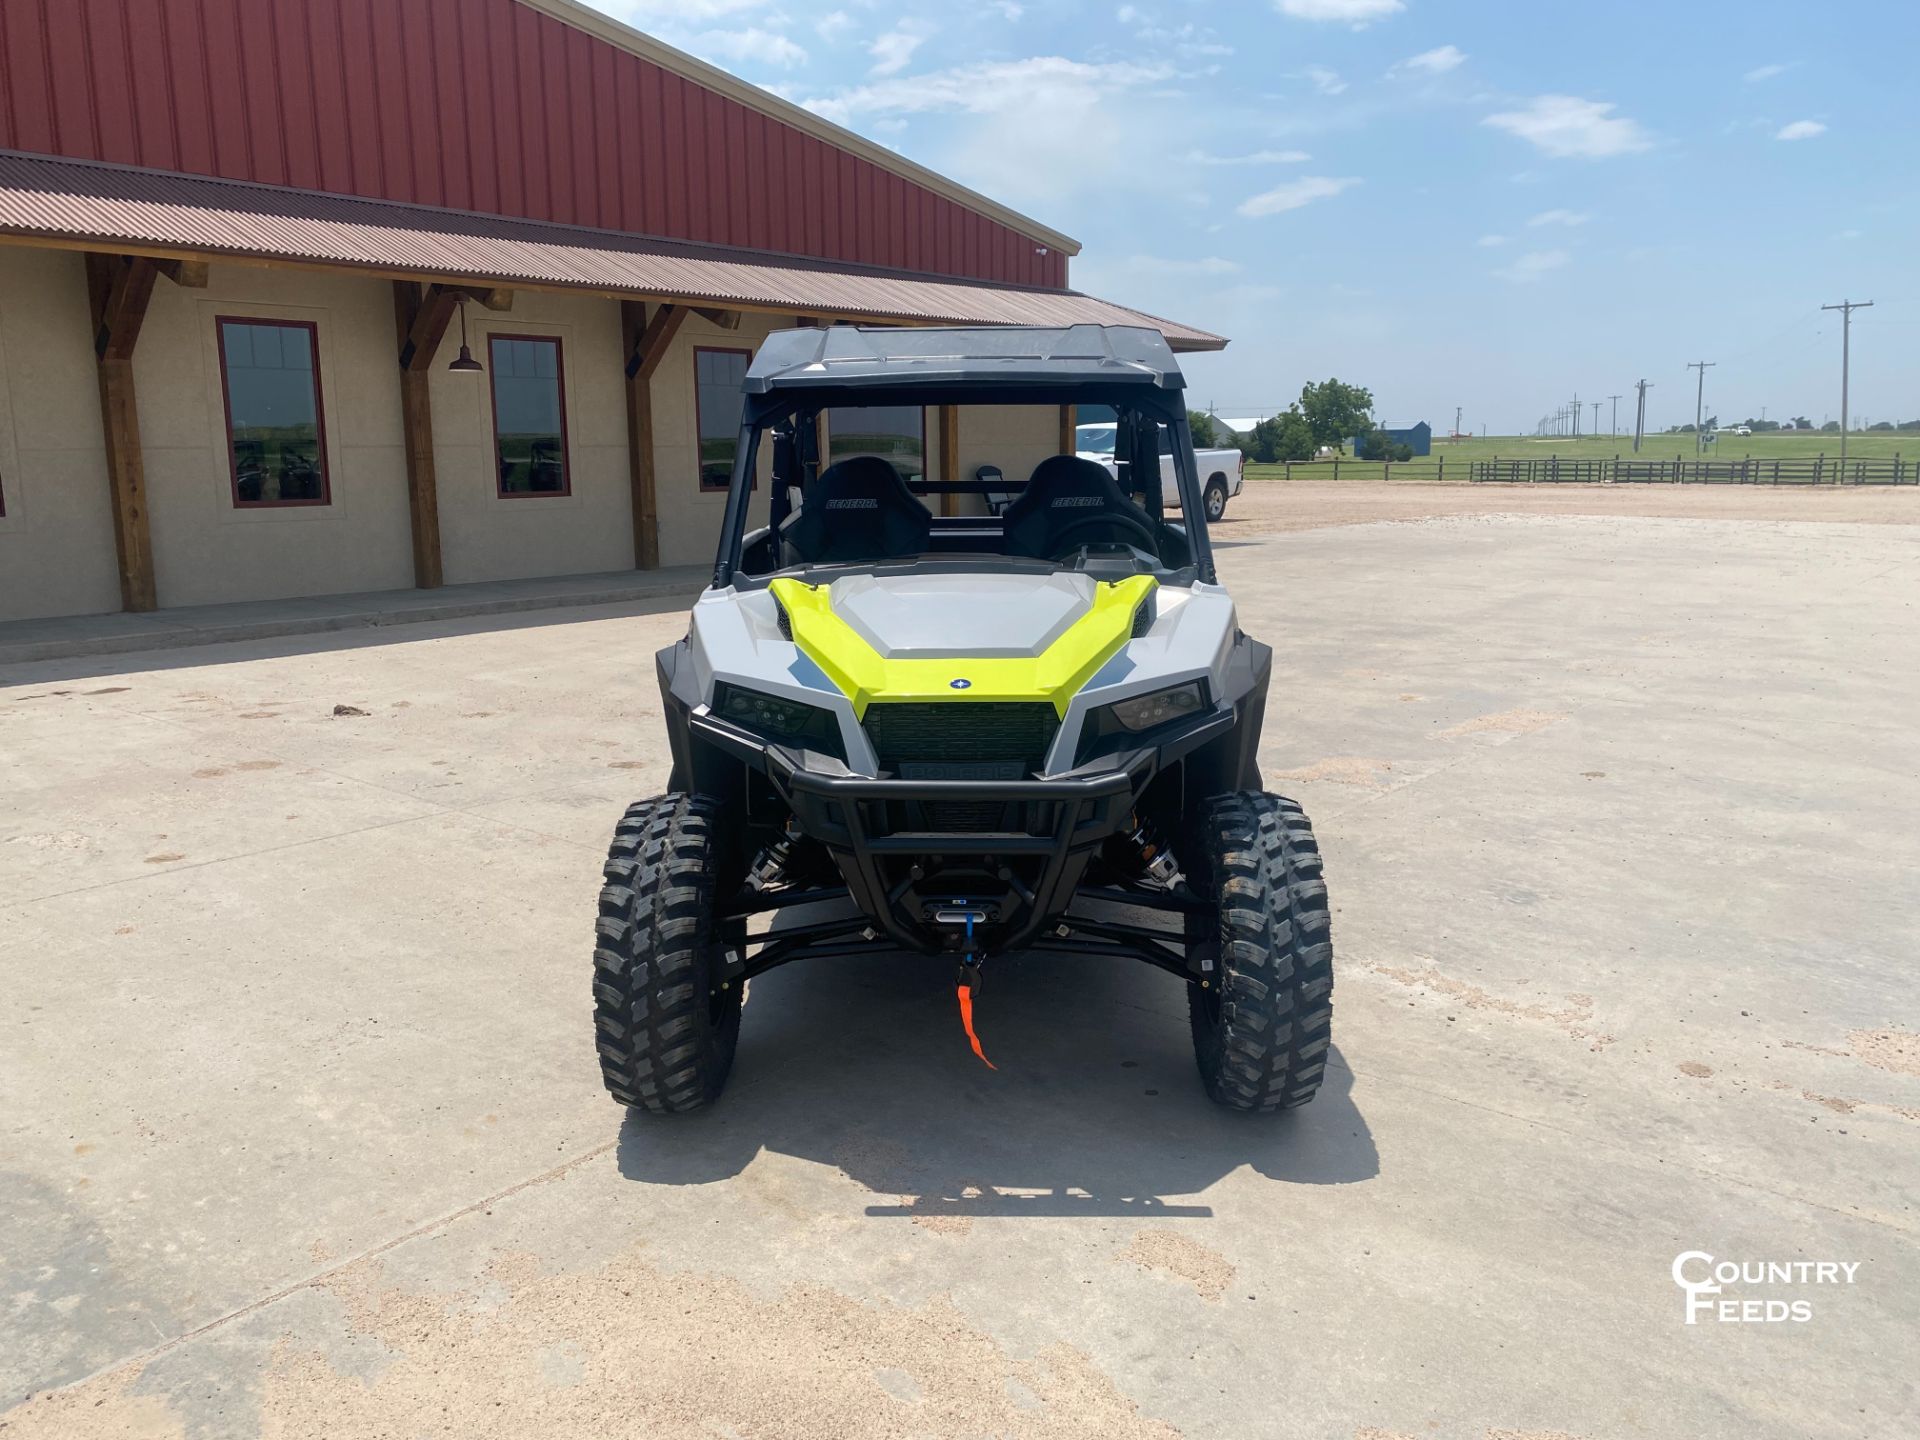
(1161, 866)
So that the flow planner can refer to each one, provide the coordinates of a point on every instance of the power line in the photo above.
(1700, 399)
(1846, 309)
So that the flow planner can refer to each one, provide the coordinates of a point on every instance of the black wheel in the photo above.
(1216, 498)
(1261, 1028)
(666, 1022)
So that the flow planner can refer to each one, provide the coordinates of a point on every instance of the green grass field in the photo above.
(1457, 454)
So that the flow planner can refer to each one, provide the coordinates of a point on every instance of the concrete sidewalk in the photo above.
(78, 635)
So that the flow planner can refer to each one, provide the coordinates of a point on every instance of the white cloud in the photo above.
(1024, 127)
(684, 12)
(1434, 62)
(1534, 264)
(1565, 125)
(1255, 157)
(1559, 217)
(1042, 82)
(1764, 72)
(1327, 82)
(750, 44)
(1189, 40)
(1801, 130)
(1294, 194)
(1351, 12)
(1490, 241)
(833, 24)
(893, 50)
(1009, 10)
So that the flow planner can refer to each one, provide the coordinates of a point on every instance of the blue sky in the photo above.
(1490, 205)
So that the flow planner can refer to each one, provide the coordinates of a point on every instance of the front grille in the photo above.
(916, 740)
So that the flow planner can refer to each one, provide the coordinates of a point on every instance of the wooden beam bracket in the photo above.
(725, 319)
(432, 313)
(188, 274)
(647, 348)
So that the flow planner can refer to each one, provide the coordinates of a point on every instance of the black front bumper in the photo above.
(902, 866)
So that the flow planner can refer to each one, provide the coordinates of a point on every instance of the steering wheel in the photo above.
(1105, 521)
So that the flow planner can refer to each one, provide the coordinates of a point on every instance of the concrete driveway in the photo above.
(302, 1134)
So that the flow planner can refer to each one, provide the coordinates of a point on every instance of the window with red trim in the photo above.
(718, 403)
(276, 429)
(896, 433)
(529, 416)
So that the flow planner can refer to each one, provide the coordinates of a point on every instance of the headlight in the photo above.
(1146, 712)
(790, 721)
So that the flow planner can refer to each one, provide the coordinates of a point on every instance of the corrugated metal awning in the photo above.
(120, 208)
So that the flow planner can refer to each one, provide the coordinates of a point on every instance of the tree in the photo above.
(1283, 437)
(1201, 423)
(1336, 413)
(1831, 427)
(1296, 437)
(1801, 422)
(1881, 425)
(1376, 446)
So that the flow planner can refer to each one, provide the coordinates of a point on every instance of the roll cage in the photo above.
(798, 375)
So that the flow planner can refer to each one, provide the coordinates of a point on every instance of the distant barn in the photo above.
(1417, 438)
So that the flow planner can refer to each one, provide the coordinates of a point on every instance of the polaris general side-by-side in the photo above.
(902, 724)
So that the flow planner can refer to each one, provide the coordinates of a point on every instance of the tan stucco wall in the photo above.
(1014, 437)
(690, 517)
(205, 550)
(486, 537)
(56, 539)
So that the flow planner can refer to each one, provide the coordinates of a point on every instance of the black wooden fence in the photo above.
(1750, 470)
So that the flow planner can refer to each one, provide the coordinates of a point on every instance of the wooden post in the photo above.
(119, 288)
(949, 456)
(420, 319)
(647, 340)
(1069, 442)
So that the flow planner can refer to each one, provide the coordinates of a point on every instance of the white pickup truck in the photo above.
(1222, 472)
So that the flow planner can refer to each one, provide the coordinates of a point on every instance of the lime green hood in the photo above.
(1087, 625)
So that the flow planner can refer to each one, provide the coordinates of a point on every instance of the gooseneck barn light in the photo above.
(466, 364)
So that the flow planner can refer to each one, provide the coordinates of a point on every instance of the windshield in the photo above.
(966, 484)
(1096, 439)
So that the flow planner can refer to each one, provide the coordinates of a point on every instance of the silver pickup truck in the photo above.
(1222, 472)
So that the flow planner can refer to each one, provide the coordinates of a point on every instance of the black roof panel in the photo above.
(861, 357)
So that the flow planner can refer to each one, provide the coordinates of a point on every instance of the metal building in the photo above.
(306, 297)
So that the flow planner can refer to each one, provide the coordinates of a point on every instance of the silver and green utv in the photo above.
(958, 719)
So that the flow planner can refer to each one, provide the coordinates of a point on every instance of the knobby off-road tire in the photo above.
(666, 1035)
(1261, 1031)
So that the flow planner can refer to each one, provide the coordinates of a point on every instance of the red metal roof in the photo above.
(537, 109)
(120, 208)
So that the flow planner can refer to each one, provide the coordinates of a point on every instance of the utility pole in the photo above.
(1575, 411)
(1699, 399)
(1640, 419)
(1846, 309)
(1596, 418)
(1616, 416)
(1456, 421)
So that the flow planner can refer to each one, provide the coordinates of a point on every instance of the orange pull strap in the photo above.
(966, 1019)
